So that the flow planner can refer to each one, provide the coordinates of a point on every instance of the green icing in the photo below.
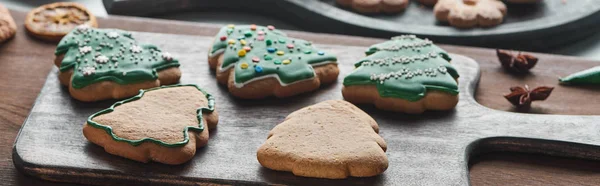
(587, 77)
(110, 55)
(261, 62)
(199, 128)
(405, 67)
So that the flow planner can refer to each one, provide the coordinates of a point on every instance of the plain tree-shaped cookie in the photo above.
(332, 139)
(470, 13)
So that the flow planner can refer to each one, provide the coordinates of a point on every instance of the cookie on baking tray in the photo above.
(470, 13)
(332, 139)
(375, 6)
(8, 28)
(53, 21)
(99, 64)
(406, 74)
(164, 124)
(524, 1)
(256, 62)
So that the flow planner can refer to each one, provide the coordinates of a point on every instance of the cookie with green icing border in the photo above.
(257, 62)
(406, 74)
(587, 77)
(163, 124)
(98, 64)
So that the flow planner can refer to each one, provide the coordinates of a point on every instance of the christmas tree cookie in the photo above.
(332, 139)
(163, 124)
(99, 64)
(587, 77)
(256, 62)
(406, 74)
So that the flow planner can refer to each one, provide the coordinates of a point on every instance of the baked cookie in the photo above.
(587, 77)
(8, 28)
(164, 124)
(333, 139)
(255, 62)
(99, 64)
(470, 13)
(406, 74)
(51, 22)
(375, 6)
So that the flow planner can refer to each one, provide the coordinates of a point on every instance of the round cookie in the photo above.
(99, 64)
(406, 74)
(332, 139)
(375, 6)
(523, 1)
(256, 62)
(164, 124)
(470, 13)
(51, 22)
(8, 28)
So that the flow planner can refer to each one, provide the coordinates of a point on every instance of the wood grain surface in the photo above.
(23, 72)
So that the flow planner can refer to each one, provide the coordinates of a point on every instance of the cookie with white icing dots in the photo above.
(332, 139)
(256, 62)
(164, 124)
(470, 13)
(99, 64)
(406, 74)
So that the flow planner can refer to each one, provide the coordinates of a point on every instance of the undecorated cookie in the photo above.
(51, 22)
(406, 74)
(256, 62)
(164, 124)
(375, 6)
(470, 13)
(99, 64)
(333, 139)
(8, 28)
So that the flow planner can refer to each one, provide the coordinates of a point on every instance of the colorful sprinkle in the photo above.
(287, 61)
(271, 50)
(271, 27)
(308, 52)
(241, 53)
(282, 41)
(229, 31)
(243, 42)
(230, 26)
(253, 27)
(258, 69)
(244, 65)
(268, 58)
(248, 34)
(231, 42)
(223, 38)
(321, 53)
(269, 42)
(247, 48)
(277, 62)
(255, 59)
(260, 33)
(260, 38)
(290, 46)
(280, 53)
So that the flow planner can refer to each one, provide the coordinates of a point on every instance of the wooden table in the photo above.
(21, 78)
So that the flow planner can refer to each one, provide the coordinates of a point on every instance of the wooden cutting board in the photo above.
(428, 149)
(25, 63)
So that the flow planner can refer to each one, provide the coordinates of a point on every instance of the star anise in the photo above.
(521, 97)
(520, 63)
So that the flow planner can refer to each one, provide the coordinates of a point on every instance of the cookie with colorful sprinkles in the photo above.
(256, 62)
(163, 124)
(406, 74)
(99, 64)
